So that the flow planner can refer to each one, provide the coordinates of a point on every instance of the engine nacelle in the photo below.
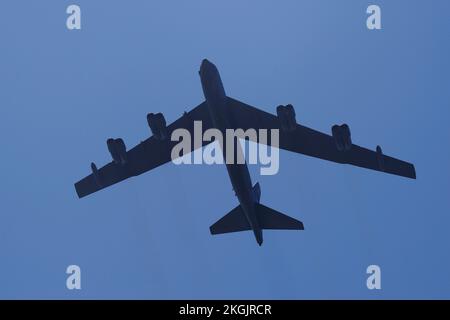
(380, 158)
(286, 116)
(346, 137)
(336, 133)
(157, 124)
(118, 150)
(342, 137)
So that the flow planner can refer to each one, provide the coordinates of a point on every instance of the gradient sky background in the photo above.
(63, 93)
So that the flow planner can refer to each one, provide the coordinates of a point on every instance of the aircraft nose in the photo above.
(208, 70)
(204, 65)
(204, 62)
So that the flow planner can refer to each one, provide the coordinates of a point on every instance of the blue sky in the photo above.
(63, 93)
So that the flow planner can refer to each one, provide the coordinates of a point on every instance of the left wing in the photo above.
(317, 144)
(147, 155)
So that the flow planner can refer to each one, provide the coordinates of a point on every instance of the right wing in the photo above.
(317, 144)
(147, 155)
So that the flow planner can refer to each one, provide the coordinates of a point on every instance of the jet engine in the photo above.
(157, 124)
(118, 150)
(342, 137)
(347, 137)
(286, 116)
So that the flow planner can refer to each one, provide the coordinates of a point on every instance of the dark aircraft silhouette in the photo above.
(222, 112)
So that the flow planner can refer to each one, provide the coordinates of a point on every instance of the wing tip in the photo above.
(412, 173)
(300, 226)
(78, 190)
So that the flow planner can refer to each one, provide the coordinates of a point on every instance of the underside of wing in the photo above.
(300, 139)
(147, 155)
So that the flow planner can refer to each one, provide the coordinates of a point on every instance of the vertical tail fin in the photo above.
(257, 192)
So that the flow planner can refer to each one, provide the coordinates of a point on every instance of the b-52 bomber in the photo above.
(222, 112)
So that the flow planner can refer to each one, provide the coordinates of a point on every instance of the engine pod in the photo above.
(111, 143)
(336, 132)
(118, 150)
(121, 150)
(346, 137)
(286, 117)
(158, 126)
(290, 112)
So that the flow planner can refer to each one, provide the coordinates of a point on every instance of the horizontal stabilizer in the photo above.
(272, 219)
(234, 221)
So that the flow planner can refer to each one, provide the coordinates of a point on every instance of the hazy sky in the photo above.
(63, 93)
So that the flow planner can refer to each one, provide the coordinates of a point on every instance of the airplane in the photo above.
(222, 112)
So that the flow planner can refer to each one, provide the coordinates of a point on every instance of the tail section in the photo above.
(233, 221)
(267, 218)
(271, 219)
(257, 192)
(255, 218)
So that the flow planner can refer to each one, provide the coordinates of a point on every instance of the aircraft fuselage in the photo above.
(222, 117)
